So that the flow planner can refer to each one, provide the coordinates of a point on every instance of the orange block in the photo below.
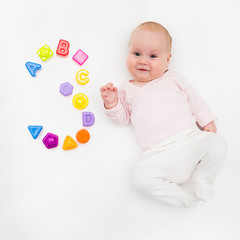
(83, 136)
(69, 143)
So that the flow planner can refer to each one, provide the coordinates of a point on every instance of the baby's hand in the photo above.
(210, 127)
(109, 95)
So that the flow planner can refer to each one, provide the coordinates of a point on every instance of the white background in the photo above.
(86, 193)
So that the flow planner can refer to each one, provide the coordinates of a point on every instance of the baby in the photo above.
(180, 162)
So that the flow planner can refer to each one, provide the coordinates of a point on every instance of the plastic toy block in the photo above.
(50, 140)
(44, 52)
(63, 48)
(32, 68)
(35, 130)
(83, 136)
(80, 57)
(80, 101)
(66, 88)
(69, 143)
(88, 119)
(81, 76)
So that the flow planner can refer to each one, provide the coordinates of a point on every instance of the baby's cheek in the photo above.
(131, 66)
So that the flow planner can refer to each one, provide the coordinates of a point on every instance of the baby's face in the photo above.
(148, 56)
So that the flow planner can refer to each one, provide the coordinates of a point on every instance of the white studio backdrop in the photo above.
(86, 193)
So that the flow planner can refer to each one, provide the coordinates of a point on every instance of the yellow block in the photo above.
(81, 76)
(69, 143)
(45, 52)
(80, 101)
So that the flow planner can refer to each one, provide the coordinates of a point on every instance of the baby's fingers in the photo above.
(104, 94)
(108, 87)
(102, 89)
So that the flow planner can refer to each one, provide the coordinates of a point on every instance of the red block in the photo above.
(63, 47)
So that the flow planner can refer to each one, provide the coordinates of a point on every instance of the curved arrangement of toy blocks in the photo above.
(80, 100)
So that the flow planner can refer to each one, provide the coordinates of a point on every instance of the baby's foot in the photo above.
(203, 192)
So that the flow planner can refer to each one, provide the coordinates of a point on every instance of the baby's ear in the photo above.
(168, 60)
(169, 57)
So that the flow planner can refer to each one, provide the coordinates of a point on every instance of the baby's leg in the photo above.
(160, 172)
(164, 190)
(214, 151)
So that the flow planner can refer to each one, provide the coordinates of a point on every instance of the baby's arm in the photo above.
(115, 103)
(109, 95)
(200, 110)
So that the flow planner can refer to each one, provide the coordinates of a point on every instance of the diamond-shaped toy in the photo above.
(80, 57)
(45, 52)
(66, 88)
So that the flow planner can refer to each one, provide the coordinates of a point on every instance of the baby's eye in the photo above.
(137, 54)
(153, 56)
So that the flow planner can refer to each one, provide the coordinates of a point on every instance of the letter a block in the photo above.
(32, 68)
(63, 48)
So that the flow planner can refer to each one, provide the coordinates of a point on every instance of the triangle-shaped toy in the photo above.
(69, 143)
(35, 130)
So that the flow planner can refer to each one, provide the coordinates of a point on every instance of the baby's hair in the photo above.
(156, 27)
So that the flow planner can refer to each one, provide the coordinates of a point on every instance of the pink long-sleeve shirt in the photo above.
(160, 109)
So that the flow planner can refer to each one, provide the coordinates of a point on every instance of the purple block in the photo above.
(50, 140)
(80, 57)
(88, 119)
(66, 88)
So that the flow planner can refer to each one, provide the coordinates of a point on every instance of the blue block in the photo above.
(33, 67)
(35, 130)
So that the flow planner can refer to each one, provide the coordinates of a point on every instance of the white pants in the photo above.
(191, 158)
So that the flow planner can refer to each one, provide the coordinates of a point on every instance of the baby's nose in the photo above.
(143, 60)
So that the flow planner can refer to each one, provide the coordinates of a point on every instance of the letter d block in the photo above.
(88, 119)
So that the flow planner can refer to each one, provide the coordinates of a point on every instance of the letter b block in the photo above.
(63, 48)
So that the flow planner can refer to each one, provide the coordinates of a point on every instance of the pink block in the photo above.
(80, 57)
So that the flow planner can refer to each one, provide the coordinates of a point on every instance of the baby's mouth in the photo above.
(142, 69)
